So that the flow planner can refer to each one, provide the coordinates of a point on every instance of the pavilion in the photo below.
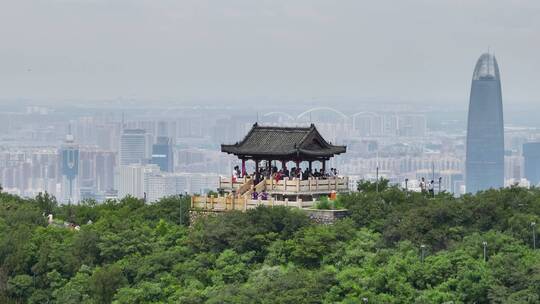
(276, 144)
(284, 144)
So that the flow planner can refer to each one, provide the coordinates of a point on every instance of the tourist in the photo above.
(423, 185)
(264, 195)
(235, 174)
(306, 174)
(431, 188)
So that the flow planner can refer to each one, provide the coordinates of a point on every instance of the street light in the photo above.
(181, 219)
(406, 184)
(423, 248)
(484, 243)
(377, 181)
(533, 225)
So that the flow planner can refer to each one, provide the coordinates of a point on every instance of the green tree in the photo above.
(104, 283)
(20, 287)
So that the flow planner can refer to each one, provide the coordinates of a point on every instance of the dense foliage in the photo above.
(130, 252)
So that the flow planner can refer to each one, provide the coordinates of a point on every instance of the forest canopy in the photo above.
(396, 247)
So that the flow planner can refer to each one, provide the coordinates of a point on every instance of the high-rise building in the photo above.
(531, 160)
(485, 129)
(133, 147)
(162, 154)
(69, 168)
(134, 178)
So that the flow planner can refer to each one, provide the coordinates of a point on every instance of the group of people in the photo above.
(262, 196)
(427, 188)
(280, 174)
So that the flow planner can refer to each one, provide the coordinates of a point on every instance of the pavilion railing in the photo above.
(228, 203)
(227, 183)
(309, 186)
(289, 186)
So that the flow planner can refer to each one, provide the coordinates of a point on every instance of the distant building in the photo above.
(133, 147)
(513, 165)
(485, 129)
(69, 168)
(412, 125)
(162, 154)
(531, 160)
(134, 178)
(159, 185)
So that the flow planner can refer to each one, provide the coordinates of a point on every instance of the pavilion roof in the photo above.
(283, 143)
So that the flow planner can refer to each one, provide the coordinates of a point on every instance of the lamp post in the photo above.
(180, 200)
(440, 181)
(484, 243)
(533, 225)
(422, 255)
(377, 181)
(406, 184)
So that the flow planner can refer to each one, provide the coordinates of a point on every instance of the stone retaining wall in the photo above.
(323, 217)
(326, 217)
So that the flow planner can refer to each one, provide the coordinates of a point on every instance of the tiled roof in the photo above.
(283, 142)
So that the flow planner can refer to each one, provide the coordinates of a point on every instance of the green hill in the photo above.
(129, 252)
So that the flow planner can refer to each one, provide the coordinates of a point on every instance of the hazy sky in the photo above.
(177, 50)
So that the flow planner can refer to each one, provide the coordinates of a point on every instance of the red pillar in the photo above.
(243, 167)
(257, 177)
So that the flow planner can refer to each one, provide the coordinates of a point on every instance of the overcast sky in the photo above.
(414, 51)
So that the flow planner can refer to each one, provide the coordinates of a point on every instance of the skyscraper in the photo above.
(531, 160)
(162, 154)
(485, 129)
(69, 156)
(133, 147)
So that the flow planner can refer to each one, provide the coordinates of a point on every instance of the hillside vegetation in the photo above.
(131, 252)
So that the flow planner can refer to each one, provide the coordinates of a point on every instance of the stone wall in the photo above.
(326, 217)
(195, 215)
(323, 217)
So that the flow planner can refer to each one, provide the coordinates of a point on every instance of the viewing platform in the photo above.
(286, 186)
(295, 183)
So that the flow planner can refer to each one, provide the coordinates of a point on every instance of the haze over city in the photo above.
(185, 52)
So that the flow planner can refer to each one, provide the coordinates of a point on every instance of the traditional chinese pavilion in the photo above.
(266, 145)
(284, 144)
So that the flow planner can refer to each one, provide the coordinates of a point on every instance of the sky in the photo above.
(414, 51)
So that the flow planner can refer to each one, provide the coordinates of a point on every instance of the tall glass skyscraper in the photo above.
(485, 129)
(69, 156)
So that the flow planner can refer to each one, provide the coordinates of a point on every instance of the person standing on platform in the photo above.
(423, 185)
(431, 188)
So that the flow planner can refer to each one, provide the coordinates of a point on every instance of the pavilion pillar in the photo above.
(284, 165)
(256, 171)
(323, 165)
(243, 167)
(310, 165)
